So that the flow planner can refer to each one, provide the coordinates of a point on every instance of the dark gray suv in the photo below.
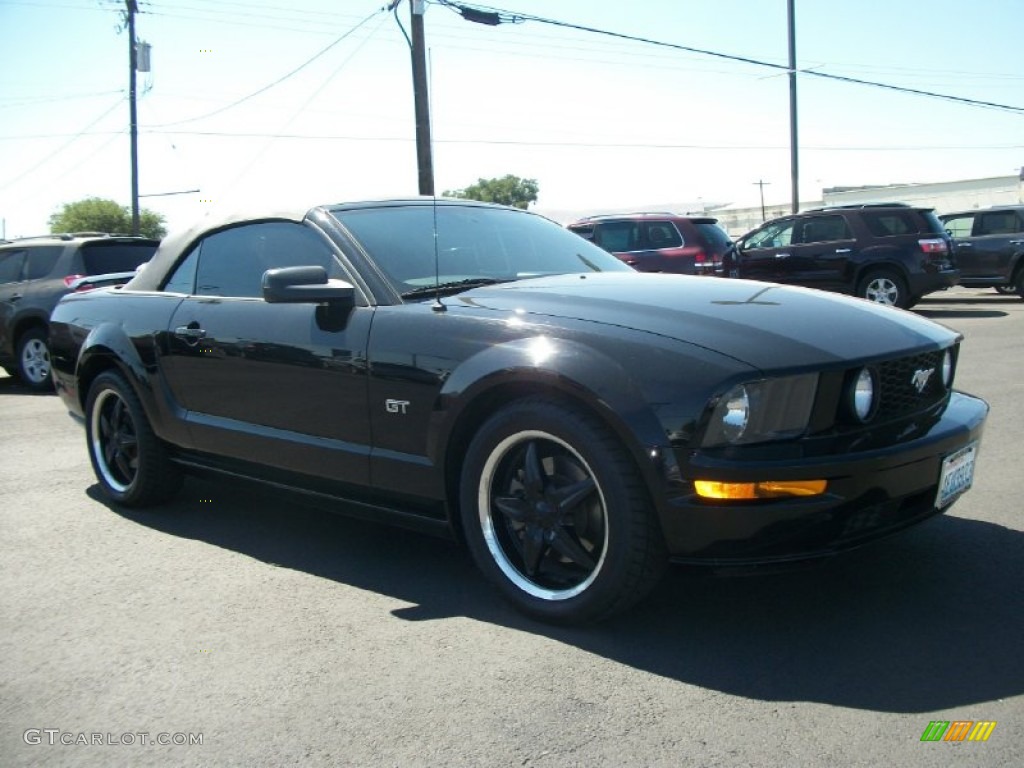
(888, 253)
(35, 272)
(989, 246)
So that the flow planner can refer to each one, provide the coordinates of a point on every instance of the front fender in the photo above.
(577, 371)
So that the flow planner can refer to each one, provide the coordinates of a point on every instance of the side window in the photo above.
(661, 234)
(775, 235)
(232, 261)
(183, 279)
(618, 236)
(960, 226)
(42, 260)
(998, 223)
(824, 229)
(11, 263)
(891, 223)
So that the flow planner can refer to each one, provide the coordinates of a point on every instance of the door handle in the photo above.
(964, 245)
(190, 332)
(782, 255)
(842, 250)
(1017, 242)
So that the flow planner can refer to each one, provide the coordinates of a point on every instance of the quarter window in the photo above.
(11, 264)
(42, 260)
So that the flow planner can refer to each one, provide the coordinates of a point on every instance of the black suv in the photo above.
(989, 247)
(35, 272)
(888, 253)
(659, 242)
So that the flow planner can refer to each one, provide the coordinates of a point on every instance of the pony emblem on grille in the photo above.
(920, 378)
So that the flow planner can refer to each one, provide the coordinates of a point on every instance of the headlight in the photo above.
(863, 395)
(947, 369)
(760, 411)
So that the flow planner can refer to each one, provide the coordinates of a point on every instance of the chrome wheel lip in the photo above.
(490, 535)
(35, 361)
(97, 445)
(882, 290)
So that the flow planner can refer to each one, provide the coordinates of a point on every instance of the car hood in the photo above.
(760, 324)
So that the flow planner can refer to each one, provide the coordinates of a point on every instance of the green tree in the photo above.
(95, 214)
(508, 190)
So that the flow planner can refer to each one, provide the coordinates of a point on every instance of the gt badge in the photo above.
(396, 406)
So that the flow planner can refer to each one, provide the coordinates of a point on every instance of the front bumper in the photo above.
(871, 494)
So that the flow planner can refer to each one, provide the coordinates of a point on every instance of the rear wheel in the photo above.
(884, 287)
(130, 462)
(34, 360)
(556, 514)
(1018, 284)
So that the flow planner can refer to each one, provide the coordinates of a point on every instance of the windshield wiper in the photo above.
(452, 287)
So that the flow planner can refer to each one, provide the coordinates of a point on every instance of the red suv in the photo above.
(659, 242)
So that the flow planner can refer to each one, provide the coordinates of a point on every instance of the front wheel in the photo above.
(130, 462)
(1006, 290)
(556, 514)
(884, 287)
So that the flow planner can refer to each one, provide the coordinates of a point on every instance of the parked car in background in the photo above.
(659, 242)
(35, 272)
(482, 373)
(989, 247)
(887, 253)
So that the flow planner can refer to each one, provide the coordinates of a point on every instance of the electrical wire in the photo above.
(277, 82)
(505, 16)
(65, 145)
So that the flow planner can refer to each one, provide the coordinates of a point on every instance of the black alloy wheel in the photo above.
(555, 513)
(130, 462)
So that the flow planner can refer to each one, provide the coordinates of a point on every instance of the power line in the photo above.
(277, 82)
(66, 144)
(505, 16)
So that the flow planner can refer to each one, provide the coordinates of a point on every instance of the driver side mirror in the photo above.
(305, 285)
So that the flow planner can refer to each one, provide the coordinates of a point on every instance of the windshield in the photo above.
(475, 245)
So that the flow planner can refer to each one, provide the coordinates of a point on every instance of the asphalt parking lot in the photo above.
(277, 634)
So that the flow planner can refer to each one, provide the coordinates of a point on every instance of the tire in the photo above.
(1006, 289)
(556, 515)
(884, 287)
(1018, 283)
(34, 360)
(130, 462)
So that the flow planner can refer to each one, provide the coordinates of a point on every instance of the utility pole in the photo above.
(793, 162)
(424, 157)
(132, 10)
(762, 184)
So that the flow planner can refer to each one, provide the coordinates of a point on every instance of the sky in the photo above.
(239, 106)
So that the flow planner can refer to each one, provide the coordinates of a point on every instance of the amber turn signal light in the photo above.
(767, 489)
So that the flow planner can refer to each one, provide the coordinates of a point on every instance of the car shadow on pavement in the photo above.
(929, 620)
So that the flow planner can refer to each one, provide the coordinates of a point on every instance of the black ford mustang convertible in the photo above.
(480, 372)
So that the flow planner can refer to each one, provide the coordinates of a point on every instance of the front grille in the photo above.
(899, 382)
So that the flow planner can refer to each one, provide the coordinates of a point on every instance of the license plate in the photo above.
(957, 475)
